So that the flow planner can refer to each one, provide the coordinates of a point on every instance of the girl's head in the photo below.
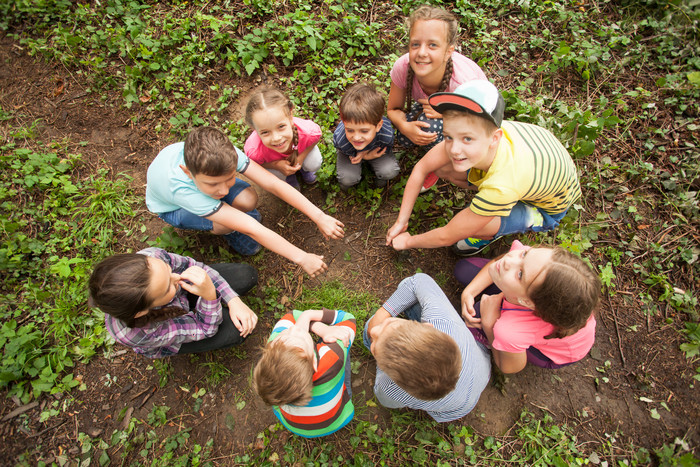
(556, 284)
(432, 35)
(269, 113)
(128, 286)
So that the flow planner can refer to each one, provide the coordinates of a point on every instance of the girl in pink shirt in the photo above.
(282, 143)
(539, 308)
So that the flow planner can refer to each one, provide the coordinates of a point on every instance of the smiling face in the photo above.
(518, 270)
(428, 49)
(361, 134)
(274, 125)
(468, 142)
(163, 284)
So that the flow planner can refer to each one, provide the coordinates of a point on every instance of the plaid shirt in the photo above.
(164, 338)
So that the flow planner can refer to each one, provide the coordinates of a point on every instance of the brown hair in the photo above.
(283, 375)
(426, 13)
(119, 287)
(568, 294)
(362, 103)
(267, 97)
(488, 126)
(423, 361)
(208, 151)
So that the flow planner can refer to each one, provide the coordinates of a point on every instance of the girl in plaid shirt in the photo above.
(163, 304)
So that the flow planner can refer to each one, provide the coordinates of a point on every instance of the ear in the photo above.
(187, 172)
(380, 125)
(449, 52)
(526, 302)
(141, 313)
(496, 138)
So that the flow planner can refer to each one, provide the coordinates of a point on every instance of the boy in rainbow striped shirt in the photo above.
(307, 383)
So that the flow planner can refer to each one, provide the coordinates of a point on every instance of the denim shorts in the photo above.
(183, 219)
(525, 217)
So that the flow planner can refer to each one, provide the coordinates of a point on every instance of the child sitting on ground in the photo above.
(525, 178)
(307, 384)
(429, 361)
(194, 185)
(280, 142)
(364, 134)
(540, 309)
(163, 304)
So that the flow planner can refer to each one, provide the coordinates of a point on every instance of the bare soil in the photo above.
(644, 364)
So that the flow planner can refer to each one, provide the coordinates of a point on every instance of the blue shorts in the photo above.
(525, 217)
(183, 219)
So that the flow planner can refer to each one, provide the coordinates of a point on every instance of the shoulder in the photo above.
(307, 126)
(465, 69)
(252, 144)
(398, 71)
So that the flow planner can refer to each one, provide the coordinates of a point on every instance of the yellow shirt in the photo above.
(532, 166)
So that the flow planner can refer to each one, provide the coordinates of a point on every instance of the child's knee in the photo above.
(388, 173)
(349, 179)
(247, 200)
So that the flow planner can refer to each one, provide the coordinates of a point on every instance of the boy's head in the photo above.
(423, 361)
(284, 374)
(361, 110)
(210, 161)
(472, 116)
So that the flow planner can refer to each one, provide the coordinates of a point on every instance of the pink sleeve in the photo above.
(309, 133)
(252, 148)
(516, 330)
(399, 70)
(463, 71)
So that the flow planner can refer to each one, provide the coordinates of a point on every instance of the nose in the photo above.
(422, 49)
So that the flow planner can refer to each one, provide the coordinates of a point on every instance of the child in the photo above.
(543, 313)
(193, 185)
(307, 384)
(431, 65)
(429, 361)
(282, 143)
(163, 304)
(525, 178)
(364, 134)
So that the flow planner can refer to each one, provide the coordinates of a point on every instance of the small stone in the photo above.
(94, 432)
(105, 407)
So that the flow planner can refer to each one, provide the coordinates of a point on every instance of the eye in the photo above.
(467, 139)
(447, 138)
(520, 274)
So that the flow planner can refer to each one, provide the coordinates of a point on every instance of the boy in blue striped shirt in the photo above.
(364, 134)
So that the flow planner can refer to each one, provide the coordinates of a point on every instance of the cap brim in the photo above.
(442, 101)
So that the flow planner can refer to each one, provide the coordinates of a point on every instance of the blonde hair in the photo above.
(427, 13)
(268, 97)
(423, 361)
(283, 375)
(488, 126)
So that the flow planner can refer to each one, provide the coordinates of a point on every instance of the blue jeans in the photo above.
(241, 243)
(414, 313)
(525, 217)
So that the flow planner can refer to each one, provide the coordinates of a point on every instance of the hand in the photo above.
(313, 264)
(356, 159)
(285, 167)
(372, 154)
(490, 310)
(414, 131)
(331, 227)
(196, 281)
(428, 109)
(400, 242)
(468, 311)
(394, 230)
(242, 317)
(331, 334)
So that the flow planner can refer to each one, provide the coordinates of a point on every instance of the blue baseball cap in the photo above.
(478, 96)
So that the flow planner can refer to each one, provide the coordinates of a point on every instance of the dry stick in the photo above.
(35, 435)
(617, 331)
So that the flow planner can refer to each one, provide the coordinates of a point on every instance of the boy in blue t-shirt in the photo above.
(193, 185)
(364, 134)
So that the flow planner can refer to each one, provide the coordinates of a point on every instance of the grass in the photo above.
(617, 82)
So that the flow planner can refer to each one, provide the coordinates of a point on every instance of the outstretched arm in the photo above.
(234, 219)
(432, 161)
(464, 224)
(329, 226)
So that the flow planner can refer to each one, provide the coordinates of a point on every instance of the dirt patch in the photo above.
(597, 400)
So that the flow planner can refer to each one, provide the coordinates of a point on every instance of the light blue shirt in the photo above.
(168, 188)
